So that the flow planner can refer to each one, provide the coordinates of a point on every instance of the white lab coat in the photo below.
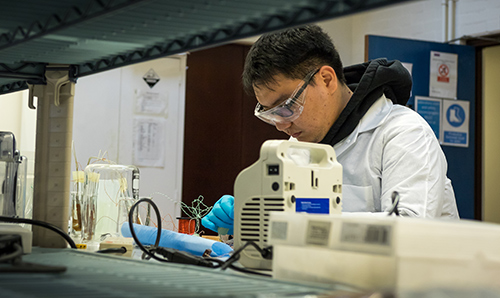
(394, 149)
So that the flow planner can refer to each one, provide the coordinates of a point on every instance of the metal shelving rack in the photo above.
(45, 46)
(98, 35)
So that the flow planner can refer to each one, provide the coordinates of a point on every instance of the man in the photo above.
(302, 89)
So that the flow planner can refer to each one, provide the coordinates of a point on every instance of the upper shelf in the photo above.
(98, 35)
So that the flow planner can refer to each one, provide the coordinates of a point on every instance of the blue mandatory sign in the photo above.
(455, 115)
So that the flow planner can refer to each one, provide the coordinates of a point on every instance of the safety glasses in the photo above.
(290, 109)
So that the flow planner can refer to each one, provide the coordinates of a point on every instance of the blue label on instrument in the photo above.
(318, 206)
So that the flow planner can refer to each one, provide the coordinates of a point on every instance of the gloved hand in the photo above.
(221, 215)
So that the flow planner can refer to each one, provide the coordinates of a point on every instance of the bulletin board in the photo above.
(461, 160)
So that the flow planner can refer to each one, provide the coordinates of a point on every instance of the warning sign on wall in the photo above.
(443, 73)
(151, 78)
(443, 76)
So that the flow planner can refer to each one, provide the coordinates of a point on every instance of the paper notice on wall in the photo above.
(149, 141)
(455, 117)
(409, 67)
(153, 103)
(443, 76)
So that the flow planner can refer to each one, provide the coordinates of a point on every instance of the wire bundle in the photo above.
(196, 211)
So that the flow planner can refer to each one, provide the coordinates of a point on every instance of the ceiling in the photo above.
(97, 35)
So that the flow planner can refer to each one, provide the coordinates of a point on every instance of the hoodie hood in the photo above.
(369, 81)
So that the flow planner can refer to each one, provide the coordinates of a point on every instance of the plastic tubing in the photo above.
(192, 244)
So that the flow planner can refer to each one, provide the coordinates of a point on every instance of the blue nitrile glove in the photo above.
(221, 216)
(188, 243)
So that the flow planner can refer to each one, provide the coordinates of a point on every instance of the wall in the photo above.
(16, 117)
(421, 20)
(105, 118)
(339, 29)
(491, 123)
(104, 122)
(10, 112)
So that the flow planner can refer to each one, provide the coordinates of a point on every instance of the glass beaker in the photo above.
(108, 190)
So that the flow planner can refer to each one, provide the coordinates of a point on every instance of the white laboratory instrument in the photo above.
(289, 177)
(13, 177)
(385, 253)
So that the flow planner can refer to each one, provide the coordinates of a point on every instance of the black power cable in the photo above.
(132, 231)
(244, 270)
(181, 257)
(173, 255)
(11, 252)
(41, 224)
(168, 254)
(10, 248)
(266, 253)
(115, 250)
(395, 202)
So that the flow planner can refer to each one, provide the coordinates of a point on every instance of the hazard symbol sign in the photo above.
(151, 78)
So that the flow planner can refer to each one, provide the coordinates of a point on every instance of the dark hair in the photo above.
(293, 52)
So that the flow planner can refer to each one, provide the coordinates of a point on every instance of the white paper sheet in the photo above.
(443, 76)
(149, 141)
(152, 103)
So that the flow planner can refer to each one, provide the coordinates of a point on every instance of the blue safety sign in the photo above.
(430, 110)
(455, 123)
(455, 115)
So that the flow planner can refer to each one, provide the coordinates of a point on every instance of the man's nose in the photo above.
(282, 126)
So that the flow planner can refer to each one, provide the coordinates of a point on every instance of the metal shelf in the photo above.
(98, 35)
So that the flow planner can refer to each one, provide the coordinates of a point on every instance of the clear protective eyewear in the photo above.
(290, 109)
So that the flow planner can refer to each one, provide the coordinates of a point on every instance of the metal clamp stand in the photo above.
(53, 153)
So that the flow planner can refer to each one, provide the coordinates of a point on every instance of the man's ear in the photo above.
(328, 78)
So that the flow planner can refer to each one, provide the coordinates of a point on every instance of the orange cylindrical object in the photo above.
(186, 225)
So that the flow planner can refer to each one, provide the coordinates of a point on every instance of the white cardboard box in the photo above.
(391, 253)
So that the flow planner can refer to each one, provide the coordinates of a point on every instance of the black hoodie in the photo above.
(369, 81)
